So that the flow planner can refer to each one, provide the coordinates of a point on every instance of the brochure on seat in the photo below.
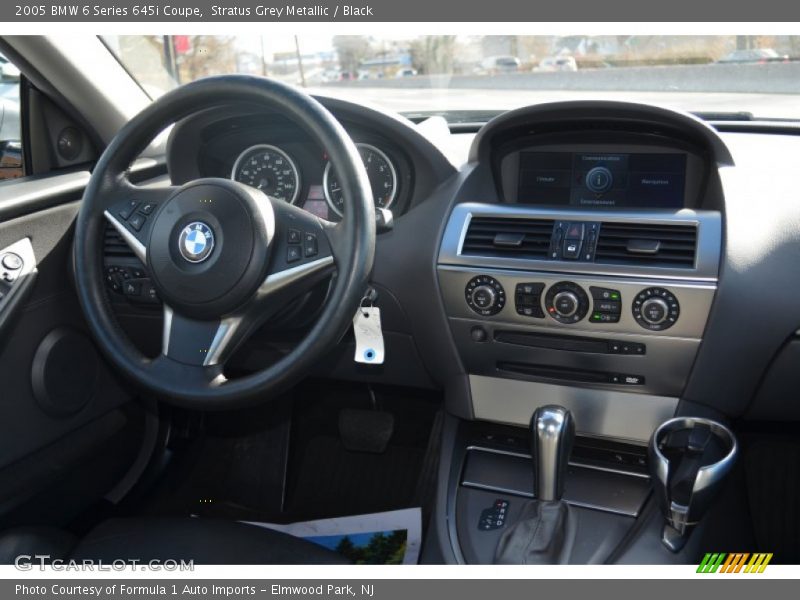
(385, 538)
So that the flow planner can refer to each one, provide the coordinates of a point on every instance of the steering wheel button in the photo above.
(128, 209)
(294, 236)
(148, 208)
(132, 288)
(137, 221)
(310, 244)
(293, 254)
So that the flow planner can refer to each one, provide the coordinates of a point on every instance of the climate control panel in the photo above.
(546, 300)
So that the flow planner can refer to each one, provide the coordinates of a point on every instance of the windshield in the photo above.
(469, 78)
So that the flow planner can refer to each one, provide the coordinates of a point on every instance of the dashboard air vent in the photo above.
(647, 245)
(113, 244)
(515, 238)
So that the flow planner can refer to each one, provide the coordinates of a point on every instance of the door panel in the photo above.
(55, 387)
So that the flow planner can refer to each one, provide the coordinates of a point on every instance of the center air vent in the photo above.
(647, 245)
(113, 244)
(514, 238)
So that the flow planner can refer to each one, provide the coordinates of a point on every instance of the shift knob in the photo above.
(552, 434)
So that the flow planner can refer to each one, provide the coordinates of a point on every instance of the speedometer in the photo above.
(382, 179)
(269, 169)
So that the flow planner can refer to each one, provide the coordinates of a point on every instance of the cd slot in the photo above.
(553, 342)
(568, 374)
(568, 343)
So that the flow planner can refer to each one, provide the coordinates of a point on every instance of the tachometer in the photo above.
(382, 178)
(269, 169)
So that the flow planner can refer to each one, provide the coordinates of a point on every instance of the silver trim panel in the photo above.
(695, 299)
(281, 279)
(665, 367)
(709, 240)
(166, 332)
(615, 415)
(225, 333)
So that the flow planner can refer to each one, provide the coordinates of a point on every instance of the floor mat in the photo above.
(333, 480)
(328, 480)
(387, 538)
(234, 470)
(773, 485)
(286, 462)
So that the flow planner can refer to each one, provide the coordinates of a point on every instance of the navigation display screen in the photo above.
(597, 180)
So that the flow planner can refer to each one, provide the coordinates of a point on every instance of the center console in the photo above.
(598, 331)
(582, 282)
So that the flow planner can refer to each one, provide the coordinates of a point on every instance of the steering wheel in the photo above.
(223, 257)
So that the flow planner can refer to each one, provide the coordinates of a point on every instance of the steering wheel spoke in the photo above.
(132, 212)
(198, 342)
(192, 378)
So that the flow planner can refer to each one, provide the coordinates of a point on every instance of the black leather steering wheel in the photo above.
(223, 257)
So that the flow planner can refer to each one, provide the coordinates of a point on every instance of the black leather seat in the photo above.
(201, 540)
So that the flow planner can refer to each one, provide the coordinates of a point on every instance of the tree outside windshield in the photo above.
(464, 77)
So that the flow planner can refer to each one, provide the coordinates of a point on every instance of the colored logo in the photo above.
(196, 242)
(737, 562)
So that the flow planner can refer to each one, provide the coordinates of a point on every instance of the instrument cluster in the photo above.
(314, 184)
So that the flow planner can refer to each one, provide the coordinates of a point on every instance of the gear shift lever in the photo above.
(546, 529)
(552, 435)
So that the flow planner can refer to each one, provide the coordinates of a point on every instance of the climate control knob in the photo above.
(656, 309)
(566, 302)
(485, 295)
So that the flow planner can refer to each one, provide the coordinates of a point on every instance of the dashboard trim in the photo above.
(607, 414)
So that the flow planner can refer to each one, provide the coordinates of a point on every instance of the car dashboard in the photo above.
(626, 262)
(585, 253)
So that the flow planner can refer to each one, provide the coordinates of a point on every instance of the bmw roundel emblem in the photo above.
(196, 242)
